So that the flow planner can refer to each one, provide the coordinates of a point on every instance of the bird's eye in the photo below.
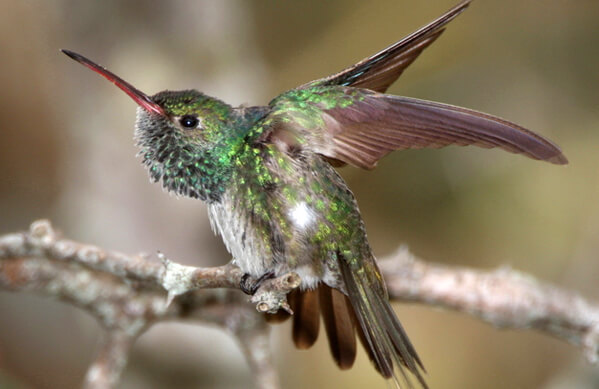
(189, 121)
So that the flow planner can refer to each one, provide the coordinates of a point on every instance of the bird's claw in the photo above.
(250, 285)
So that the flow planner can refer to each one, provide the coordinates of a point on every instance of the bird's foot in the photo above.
(250, 285)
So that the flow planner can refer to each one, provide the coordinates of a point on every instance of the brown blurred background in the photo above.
(66, 153)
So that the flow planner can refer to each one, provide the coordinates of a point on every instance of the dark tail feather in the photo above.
(337, 316)
(384, 336)
(381, 368)
(379, 331)
(306, 318)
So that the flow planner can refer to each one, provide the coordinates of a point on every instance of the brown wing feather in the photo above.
(364, 132)
(381, 70)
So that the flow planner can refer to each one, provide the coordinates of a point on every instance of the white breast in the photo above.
(247, 251)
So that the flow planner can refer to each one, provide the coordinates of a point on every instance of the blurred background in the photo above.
(67, 154)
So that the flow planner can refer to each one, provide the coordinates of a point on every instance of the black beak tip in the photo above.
(72, 55)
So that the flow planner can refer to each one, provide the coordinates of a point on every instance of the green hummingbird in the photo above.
(267, 175)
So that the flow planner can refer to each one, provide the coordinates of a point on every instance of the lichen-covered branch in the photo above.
(127, 294)
(106, 370)
(503, 297)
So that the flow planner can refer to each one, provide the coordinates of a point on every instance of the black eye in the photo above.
(189, 121)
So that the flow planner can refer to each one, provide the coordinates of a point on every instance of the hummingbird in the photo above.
(267, 174)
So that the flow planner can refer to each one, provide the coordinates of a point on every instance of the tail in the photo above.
(381, 332)
(366, 310)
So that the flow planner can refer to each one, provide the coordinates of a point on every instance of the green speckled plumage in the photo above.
(253, 186)
(272, 192)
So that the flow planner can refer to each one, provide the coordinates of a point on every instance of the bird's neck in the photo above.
(205, 173)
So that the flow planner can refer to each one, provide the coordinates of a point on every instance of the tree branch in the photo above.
(127, 294)
(110, 362)
(503, 297)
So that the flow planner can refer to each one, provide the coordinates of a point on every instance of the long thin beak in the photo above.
(138, 96)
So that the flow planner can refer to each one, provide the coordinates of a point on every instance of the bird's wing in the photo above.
(379, 71)
(359, 126)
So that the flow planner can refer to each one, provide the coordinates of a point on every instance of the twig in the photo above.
(254, 342)
(106, 370)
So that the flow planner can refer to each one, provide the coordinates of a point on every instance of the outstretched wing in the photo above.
(359, 126)
(344, 118)
(381, 70)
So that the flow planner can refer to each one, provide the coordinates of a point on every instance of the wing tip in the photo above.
(459, 8)
(558, 159)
